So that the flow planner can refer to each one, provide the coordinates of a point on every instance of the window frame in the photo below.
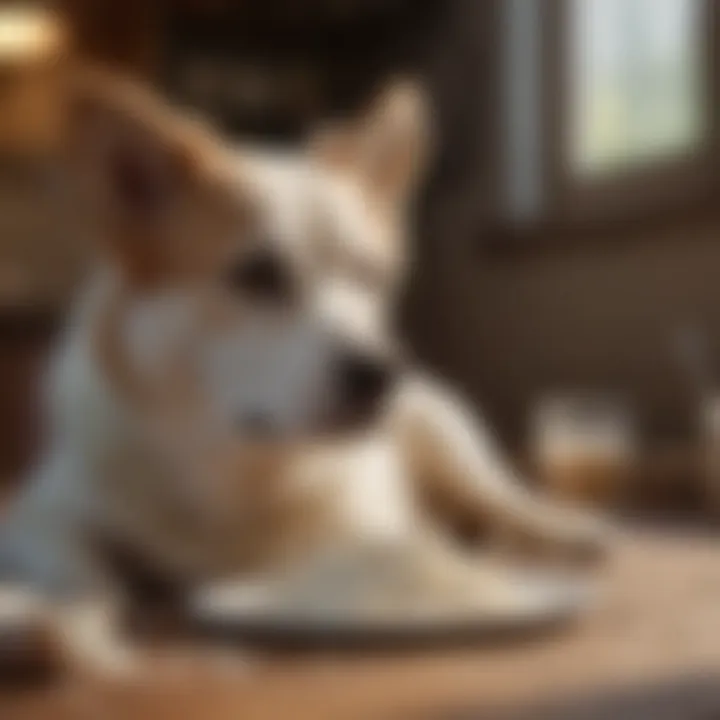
(668, 186)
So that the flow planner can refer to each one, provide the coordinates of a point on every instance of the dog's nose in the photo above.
(365, 378)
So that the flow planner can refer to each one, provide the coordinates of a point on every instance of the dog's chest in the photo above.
(248, 515)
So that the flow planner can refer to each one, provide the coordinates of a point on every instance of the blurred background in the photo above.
(568, 264)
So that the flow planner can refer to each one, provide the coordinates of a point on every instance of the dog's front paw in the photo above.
(97, 648)
(30, 646)
(92, 645)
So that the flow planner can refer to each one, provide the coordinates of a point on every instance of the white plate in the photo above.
(540, 602)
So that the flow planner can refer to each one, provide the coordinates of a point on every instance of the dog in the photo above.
(229, 396)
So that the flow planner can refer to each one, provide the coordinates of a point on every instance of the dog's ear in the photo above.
(388, 147)
(137, 160)
(395, 138)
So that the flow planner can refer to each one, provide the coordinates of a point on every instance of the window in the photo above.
(609, 107)
(637, 90)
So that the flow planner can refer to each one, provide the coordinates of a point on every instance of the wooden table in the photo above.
(651, 649)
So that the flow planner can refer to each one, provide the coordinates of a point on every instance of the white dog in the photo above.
(229, 397)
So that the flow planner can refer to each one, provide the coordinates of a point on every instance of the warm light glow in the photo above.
(28, 33)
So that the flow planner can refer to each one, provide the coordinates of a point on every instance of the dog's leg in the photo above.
(460, 470)
(59, 605)
(41, 635)
(63, 607)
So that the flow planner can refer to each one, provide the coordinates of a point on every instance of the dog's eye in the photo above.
(262, 276)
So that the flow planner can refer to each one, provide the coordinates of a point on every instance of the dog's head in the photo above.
(272, 273)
